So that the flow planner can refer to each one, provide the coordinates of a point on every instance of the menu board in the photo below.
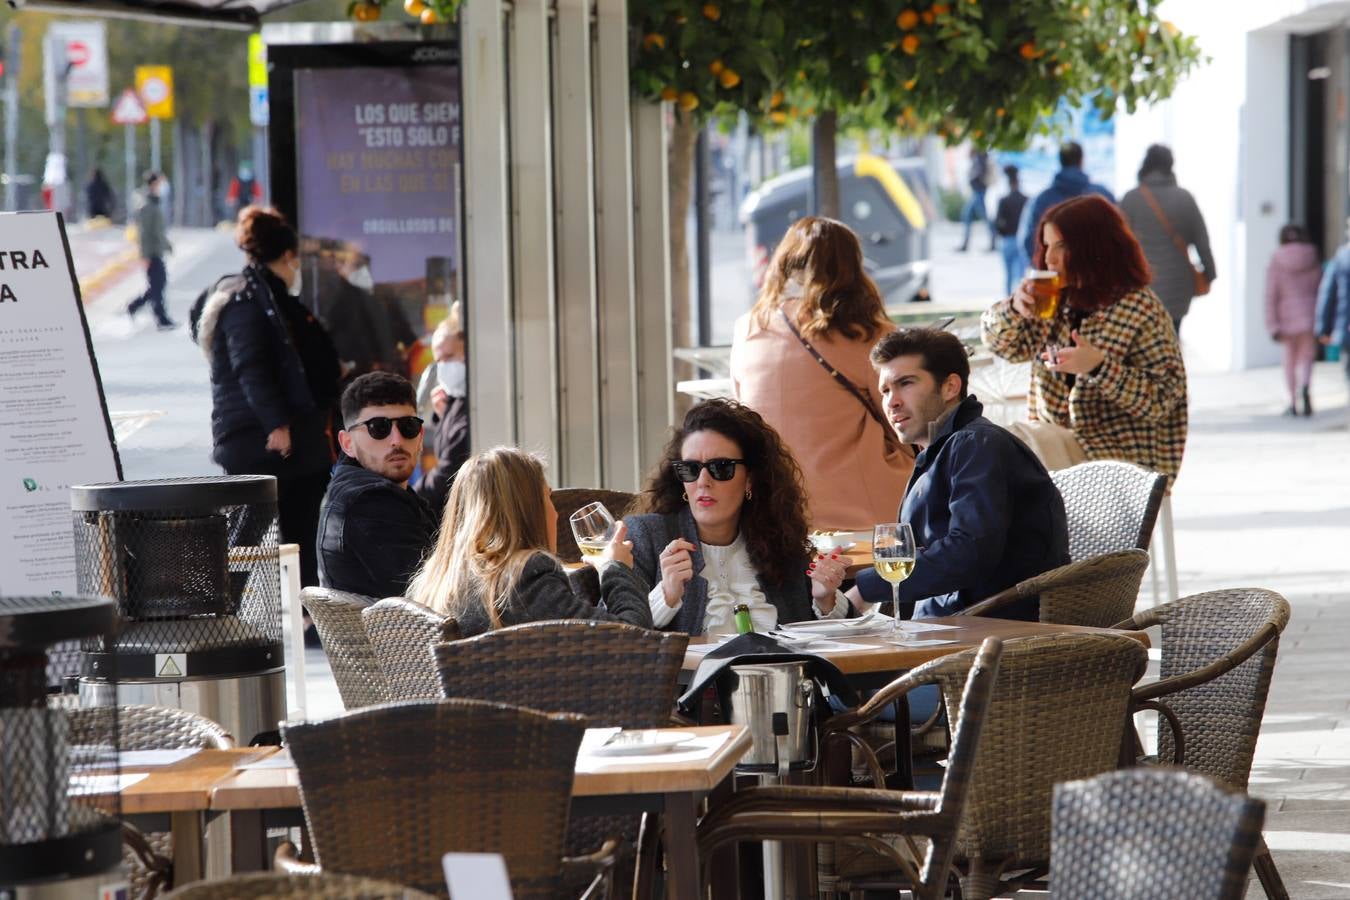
(54, 426)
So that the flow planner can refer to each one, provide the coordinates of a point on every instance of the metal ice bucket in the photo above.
(775, 701)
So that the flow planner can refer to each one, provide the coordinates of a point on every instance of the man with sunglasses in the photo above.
(373, 529)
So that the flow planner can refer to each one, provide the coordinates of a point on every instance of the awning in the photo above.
(220, 13)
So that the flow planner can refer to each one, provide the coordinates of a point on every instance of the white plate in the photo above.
(632, 743)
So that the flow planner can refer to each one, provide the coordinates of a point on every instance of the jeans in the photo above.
(975, 209)
(157, 277)
(1012, 262)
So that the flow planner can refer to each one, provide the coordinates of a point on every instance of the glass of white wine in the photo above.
(893, 558)
(593, 527)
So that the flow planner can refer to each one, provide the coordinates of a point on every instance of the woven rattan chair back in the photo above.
(388, 790)
(149, 728)
(571, 665)
(402, 633)
(1111, 505)
(1058, 712)
(1151, 833)
(568, 500)
(296, 887)
(337, 618)
(1219, 712)
(1097, 592)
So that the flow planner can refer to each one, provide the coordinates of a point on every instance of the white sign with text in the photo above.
(54, 426)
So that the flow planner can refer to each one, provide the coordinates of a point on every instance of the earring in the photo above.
(747, 494)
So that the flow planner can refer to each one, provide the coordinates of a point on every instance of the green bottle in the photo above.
(744, 625)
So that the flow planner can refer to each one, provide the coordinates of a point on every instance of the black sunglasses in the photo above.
(379, 427)
(720, 469)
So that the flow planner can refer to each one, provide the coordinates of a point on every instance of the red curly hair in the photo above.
(1102, 260)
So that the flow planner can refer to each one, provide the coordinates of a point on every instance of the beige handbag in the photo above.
(1054, 445)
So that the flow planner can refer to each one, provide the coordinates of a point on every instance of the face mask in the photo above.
(362, 278)
(453, 376)
(294, 289)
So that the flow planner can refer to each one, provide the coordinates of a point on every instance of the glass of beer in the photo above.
(1043, 285)
(893, 558)
(593, 527)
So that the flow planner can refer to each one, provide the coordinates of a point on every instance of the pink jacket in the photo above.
(1291, 289)
(851, 482)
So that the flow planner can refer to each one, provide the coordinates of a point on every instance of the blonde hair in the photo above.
(494, 522)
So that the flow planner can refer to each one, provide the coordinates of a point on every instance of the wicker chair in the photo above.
(863, 816)
(1151, 833)
(148, 856)
(401, 633)
(337, 618)
(1111, 506)
(1098, 591)
(569, 500)
(1218, 655)
(387, 790)
(296, 887)
(575, 666)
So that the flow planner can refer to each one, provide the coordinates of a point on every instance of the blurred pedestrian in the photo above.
(448, 397)
(799, 358)
(274, 377)
(1167, 223)
(976, 208)
(1070, 181)
(98, 196)
(1292, 280)
(1005, 226)
(244, 190)
(153, 236)
(1333, 302)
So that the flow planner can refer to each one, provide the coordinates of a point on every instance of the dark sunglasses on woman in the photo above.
(379, 427)
(721, 469)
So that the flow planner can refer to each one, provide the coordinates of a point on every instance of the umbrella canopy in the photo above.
(227, 13)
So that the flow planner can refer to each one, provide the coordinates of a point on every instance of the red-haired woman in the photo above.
(800, 359)
(1107, 365)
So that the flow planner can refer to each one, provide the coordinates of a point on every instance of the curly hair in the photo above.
(773, 519)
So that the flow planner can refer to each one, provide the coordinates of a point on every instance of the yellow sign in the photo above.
(155, 86)
(257, 61)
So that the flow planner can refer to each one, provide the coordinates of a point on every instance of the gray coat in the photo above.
(151, 230)
(651, 533)
(1173, 274)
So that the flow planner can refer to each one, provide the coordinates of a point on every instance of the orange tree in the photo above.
(428, 12)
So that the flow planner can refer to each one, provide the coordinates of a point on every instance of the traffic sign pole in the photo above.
(154, 145)
(129, 151)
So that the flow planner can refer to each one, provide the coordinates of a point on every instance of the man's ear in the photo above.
(345, 442)
(951, 388)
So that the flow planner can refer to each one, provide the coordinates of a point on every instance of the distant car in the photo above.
(886, 202)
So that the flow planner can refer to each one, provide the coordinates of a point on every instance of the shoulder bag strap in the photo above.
(1177, 239)
(892, 442)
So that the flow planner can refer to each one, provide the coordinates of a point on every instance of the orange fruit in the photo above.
(366, 12)
(669, 94)
(909, 85)
(941, 9)
(1028, 50)
(775, 99)
(657, 41)
(712, 12)
(716, 66)
(927, 16)
(1172, 30)
(910, 44)
(688, 101)
(414, 7)
(1000, 112)
(729, 78)
(429, 16)
(907, 20)
(778, 117)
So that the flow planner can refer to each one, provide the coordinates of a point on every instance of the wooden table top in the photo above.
(280, 788)
(186, 785)
(882, 655)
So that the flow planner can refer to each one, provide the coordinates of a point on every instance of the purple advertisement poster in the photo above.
(378, 167)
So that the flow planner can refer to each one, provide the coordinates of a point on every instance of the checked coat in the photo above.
(1134, 407)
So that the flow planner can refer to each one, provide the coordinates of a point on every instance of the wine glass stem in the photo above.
(895, 607)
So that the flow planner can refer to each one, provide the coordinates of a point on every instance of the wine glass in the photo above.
(893, 558)
(593, 527)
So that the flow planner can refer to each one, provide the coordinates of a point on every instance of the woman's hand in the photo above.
(619, 549)
(826, 574)
(677, 567)
(1022, 302)
(279, 441)
(1079, 359)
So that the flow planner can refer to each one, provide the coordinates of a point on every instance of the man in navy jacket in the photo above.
(984, 511)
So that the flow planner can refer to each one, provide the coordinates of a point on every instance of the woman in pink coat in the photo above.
(1292, 278)
(799, 359)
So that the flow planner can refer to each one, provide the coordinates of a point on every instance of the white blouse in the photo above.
(732, 581)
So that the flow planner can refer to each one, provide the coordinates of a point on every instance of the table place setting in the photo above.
(602, 747)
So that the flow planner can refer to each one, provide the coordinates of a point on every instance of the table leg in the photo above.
(248, 840)
(904, 751)
(188, 852)
(680, 838)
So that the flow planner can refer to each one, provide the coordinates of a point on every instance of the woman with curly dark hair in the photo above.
(724, 523)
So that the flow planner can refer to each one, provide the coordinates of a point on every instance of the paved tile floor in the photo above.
(1262, 501)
